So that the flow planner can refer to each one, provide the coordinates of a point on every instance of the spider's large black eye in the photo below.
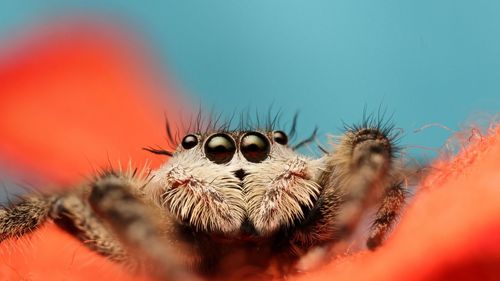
(255, 147)
(220, 148)
(280, 137)
(189, 141)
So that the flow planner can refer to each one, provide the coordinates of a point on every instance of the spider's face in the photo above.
(237, 183)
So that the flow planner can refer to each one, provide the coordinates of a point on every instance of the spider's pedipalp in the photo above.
(195, 190)
(279, 190)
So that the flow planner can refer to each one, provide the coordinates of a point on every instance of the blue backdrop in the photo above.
(428, 61)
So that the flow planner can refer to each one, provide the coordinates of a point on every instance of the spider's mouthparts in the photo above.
(247, 229)
(240, 174)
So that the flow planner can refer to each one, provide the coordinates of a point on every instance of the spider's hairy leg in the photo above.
(134, 224)
(386, 215)
(24, 217)
(360, 169)
(69, 212)
(74, 215)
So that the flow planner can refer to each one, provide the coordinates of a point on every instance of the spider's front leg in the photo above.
(72, 213)
(69, 211)
(136, 225)
(360, 170)
(24, 217)
(386, 215)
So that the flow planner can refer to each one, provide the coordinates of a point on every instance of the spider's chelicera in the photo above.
(228, 199)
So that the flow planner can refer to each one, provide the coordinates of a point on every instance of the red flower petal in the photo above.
(76, 98)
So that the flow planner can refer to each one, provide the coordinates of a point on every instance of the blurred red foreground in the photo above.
(81, 97)
(76, 97)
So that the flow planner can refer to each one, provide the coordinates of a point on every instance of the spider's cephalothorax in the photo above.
(224, 199)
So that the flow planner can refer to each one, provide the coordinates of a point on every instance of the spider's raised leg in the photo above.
(136, 225)
(386, 215)
(360, 170)
(357, 174)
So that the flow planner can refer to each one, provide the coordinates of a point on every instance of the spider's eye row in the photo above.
(189, 141)
(220, 148)
(280, 137)
(255, 147)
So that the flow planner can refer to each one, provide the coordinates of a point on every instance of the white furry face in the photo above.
(278, 190)
(237, 183)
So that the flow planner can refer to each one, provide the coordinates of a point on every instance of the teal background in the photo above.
(426, 61)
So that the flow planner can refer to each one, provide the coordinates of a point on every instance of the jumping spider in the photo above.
(226, 200)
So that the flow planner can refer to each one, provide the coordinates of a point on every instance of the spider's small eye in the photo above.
(220, 148)
(280, 137)
(255, 147)
(189, 141)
